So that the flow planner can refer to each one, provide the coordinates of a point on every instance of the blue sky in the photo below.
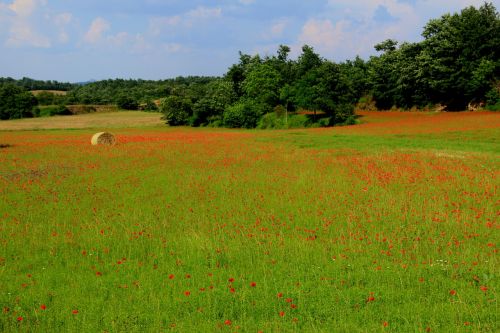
(79, 40)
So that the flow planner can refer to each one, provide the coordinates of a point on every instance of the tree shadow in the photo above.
(5, 145)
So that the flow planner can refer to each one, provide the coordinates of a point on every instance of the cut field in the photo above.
(121, 119)
(387, 226)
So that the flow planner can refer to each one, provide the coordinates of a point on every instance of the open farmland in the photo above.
(391, 225)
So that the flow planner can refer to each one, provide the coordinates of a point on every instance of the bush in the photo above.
(150, 107)
(299, 121)
(176, 110)
(127, 103)
(341, 113)
(16, 102)
(53, 110)
(271, 120)
(245, 113)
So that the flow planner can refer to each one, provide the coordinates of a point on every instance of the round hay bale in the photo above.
(103, 138)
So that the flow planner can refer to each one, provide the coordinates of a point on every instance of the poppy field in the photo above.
(387, 226)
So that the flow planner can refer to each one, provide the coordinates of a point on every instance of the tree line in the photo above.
(457, 64)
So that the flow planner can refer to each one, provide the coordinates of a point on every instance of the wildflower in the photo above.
(171, 276)
(385, 324)
(453, 292)
(484, 288)
(20, 318)
(43, 307)
(280, 295)
(227, 322)
(282, 313)
(74, 312)
(231, 280)
(187, 293)
(253, 284)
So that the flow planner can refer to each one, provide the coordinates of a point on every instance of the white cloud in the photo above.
(97, 28)
(21, 34)
(187, 20)
(172, 47)
(204, 13)
(157, 24)
(61, 21)
(24, 8)
(19, 24)
(324, 35)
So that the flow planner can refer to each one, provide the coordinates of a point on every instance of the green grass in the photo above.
(324, 218)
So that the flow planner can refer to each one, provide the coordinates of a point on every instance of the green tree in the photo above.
(126, 103)
(176, 110)
(245, 113)
(219, 95)
(461, 53)
(15, 102)
(262, 84)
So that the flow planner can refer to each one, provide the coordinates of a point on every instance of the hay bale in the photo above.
(103, 138)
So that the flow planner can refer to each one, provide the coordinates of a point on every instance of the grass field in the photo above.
(387, 226)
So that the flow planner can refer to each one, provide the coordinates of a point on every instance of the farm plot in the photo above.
(355, 229)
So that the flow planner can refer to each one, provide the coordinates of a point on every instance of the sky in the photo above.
(81, 40)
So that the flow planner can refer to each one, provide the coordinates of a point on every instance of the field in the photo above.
(55, 92)
(387, 226)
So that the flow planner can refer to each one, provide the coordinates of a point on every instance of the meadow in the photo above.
(387, 226)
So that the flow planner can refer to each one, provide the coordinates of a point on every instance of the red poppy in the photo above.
(227, 322)
(253, 284)
(74, 311)
(187, 293)
(20, 318)
(453, 292)
(280, 295)
(231, 280)
(282, 313)
(43, 307)
(171, 276)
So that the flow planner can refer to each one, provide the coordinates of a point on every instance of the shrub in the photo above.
(299, 121)
(127, 103)
(272, 120)
(16, 102)
(150, 107)
(176, 110)
(245, 113)
(53, 110)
